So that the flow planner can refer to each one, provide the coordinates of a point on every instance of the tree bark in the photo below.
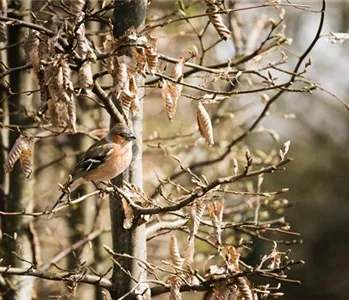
(16, 237)
(131, 241)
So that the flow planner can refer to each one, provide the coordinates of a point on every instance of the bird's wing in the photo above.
(96, 155)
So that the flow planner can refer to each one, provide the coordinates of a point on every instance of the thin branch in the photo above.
(272, 100)
(203, 190)
(64, 276)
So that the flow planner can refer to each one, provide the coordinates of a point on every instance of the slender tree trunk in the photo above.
(16, 238)
(131, 241)
(4, 139)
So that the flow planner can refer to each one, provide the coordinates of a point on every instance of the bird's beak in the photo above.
(130, 137)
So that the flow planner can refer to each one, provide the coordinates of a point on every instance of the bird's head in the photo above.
(120, 133)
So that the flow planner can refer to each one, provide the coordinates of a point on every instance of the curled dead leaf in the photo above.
(22, 150)
(205, 125)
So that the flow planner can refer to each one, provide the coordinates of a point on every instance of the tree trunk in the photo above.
(130, 241)
(16, 238)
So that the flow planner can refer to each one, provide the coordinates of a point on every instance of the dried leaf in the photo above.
(31, 48)
(58, 79)
(170, 96)
(22, 150)
(215, 211)
(140, 59)
(175, 282)
(244, 288)
(86, 76)
(231, 258)
(120, 74)
(129, 215)
(44, 92)
(108, 45)
(58, 112)
(67, 82)
(72, 114)
(177, 72)
(176, 258)
(135, 105)
(151, 54)
(126, 99)
(83, 47)
(276, 256)
(195, 217)
(205, 125)
(68, 94)
(216, 20)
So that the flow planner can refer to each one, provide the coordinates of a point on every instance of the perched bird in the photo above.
(103, 161)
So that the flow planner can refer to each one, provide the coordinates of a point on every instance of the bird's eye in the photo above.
(123, 135)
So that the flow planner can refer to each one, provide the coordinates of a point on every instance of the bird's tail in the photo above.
(66, 188)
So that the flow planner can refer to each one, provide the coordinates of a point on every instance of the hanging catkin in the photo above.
(216, 20)
(205, 125)
(22, 150)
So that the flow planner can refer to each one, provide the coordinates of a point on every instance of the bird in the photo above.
(103, 160)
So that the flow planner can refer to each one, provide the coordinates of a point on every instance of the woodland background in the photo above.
(317, 178)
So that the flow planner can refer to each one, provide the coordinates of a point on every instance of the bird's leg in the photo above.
(100, 189)
(108, 183)
(69, 198)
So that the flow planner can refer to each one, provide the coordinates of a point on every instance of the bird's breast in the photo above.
(117, 163)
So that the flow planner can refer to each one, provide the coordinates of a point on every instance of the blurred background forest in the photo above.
(315, 123)
(318, 178)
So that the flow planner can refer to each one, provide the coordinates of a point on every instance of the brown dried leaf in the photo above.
(22, 150)
(216, 20)
(86, 76)
(58, 79)
(196, 213)
(31, 48)
(135, 105)
(244, 287)
(109, 45)
(67, 82)
(58, 112)
(83, 47)
(231, 257)
(120, 74)
(72, 114)
(126, 99)
(67, 95)
(276, 256)
(44, 92)
(140, 58)
(129, 215)
(177, 72)
(175, 282)
(222, 291)
(26, 164)
(54, 81)
(176, 258)
(215, 211)
(170, 96)
(205, 125)
(151, 54)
